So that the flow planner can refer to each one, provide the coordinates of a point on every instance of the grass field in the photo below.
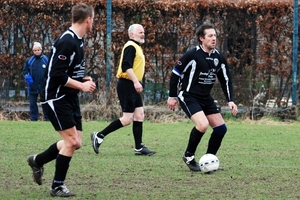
(261, 161)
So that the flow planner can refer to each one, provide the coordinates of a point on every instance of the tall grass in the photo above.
(260, 160)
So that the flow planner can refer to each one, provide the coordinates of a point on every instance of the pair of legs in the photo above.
(65, 116)
(133, 111)
(203, 112)
(34, 110)
(202, 122)
(137, 117)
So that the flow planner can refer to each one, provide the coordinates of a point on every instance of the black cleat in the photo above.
(37, 170)
(61, 191)
(191, 163)
(144, 151)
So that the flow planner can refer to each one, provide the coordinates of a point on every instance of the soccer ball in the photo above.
(209, 162)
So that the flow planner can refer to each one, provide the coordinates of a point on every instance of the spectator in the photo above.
(33, 70)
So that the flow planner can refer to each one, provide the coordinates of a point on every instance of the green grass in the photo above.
(261, 161)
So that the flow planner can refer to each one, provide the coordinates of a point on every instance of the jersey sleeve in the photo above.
(128, 58)
(177, 72)
(224, 77)
(61, 59)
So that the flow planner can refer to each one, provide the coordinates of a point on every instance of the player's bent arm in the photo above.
(87, 86)
(131, 75)
(137, 85)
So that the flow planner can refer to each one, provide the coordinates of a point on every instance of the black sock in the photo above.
(113, 126)
(214, 143)
(195, 138)
(47, 156)
(216, 138)
(61, 169)
(137, 129)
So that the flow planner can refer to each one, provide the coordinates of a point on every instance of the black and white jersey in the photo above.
(66, 61)
(196, 72)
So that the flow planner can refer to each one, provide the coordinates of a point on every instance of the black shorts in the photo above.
(191, 105)
(64, 113)
(129, 98)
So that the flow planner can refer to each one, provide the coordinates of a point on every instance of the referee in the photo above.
(130, 72)
(195, 74)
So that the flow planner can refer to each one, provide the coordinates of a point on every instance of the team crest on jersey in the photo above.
(179, 63)
(216, 61)
(62, 57)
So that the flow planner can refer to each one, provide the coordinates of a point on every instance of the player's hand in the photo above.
(172, 103)
(233, 107)
(138, 87)
(88, 86)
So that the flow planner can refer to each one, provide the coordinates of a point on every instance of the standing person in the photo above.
(195, 74)
(34, 70)
(64, 79)
(130, 73)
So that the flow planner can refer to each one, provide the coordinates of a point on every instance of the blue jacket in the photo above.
(33, 70)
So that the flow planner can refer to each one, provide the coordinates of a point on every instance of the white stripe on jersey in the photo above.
(48, 75)
(192, 73)
(192, 64)
(226, 78)
(67, 32)
(51, 105)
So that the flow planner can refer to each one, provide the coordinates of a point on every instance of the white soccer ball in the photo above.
(209, 162)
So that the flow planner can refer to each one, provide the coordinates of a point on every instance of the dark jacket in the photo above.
(33, 70)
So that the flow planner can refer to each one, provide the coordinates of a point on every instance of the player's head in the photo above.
(37, 48)
(136, 32)
(83, 13)
(206, 35)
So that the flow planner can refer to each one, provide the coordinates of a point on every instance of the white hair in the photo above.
(37, 45)
(132, 28)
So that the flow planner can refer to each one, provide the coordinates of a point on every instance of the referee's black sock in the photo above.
(195, 138)
(47, 156)
(61, 169)
(113, 126)
(137, 129)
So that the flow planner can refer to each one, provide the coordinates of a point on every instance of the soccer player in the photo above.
(64, 78)
(191, 82)
(130, 73)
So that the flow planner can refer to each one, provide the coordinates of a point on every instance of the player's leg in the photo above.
(36, 162)
(219, 130)
(71, 142)
(124, 90)
(194, 111)
(137, 130)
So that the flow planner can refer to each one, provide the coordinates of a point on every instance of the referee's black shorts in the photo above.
(128, 97)
(191, 104)
(64, 113)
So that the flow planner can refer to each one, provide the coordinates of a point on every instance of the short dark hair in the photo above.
(200, 32)
(81, 11)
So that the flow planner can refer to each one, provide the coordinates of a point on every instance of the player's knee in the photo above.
(126, 120)
(202, 127)
(79, 145)
(220, 130)
(139, 117)
(74, 144)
